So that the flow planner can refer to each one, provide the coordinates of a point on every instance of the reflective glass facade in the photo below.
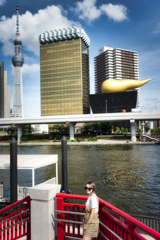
(64, 73)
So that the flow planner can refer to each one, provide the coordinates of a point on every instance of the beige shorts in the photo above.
(92, 230)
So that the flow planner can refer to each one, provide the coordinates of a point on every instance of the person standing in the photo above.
(91, 220)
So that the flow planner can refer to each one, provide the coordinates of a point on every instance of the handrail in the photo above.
(77, 213)
(130, 221)
(138, 224)
(16, 223)
(15, 216)
(15, 204)
(110, 231)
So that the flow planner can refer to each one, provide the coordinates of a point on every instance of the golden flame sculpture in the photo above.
(113, 85)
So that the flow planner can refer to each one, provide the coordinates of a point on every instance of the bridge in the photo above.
(81, 118)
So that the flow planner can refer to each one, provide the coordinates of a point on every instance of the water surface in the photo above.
(127, 176)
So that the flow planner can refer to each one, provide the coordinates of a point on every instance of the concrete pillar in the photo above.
(71, 131)
(43, 204)
(133, 130)
(19, 133)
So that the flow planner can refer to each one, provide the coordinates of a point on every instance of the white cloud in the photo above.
(27, 58)
(90, 12)
(28, 69)
(115, 12)
(2, 2)
(31, 26)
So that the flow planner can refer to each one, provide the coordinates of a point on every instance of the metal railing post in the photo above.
(60, 225)
(29, 220)
(131, 229)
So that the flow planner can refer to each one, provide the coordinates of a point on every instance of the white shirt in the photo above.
(93, 201)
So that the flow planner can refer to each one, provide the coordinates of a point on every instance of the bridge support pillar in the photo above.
(71, 131)
(19, 133)
(133, 130)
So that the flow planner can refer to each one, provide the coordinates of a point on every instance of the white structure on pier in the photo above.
(17, 61)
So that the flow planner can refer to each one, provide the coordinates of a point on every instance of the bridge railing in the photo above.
(151, 222)
(71, 209)
(15, 220)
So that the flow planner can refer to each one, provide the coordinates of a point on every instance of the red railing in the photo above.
(15, 222)
(69, 218)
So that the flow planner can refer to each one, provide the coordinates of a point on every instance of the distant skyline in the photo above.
(132, 25)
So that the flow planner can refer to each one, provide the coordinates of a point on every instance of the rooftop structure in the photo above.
(17, 61)
(64, 34)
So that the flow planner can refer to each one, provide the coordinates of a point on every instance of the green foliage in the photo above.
(60, 128)
(55, 128)
(24, 139)
(78, 139)
(94, 139)
(155, 130)
(89, 139)
(11, 130)
(88, 127)
(126, 130)
(96, 126)
(158, 130)
(140, 131)
(106, 127)
(117, 130)
(49, 129)
(28, 129)
(122, 129)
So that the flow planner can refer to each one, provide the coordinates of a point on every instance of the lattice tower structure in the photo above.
(17, 61)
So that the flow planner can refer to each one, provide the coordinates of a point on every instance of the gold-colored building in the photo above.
(64, 70)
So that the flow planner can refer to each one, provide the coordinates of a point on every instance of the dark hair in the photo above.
(91, 185)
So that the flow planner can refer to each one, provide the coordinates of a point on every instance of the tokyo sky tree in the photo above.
(17, 61)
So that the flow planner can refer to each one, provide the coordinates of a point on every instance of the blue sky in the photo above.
(127, 24)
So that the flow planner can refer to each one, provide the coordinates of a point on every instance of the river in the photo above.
(127, 176)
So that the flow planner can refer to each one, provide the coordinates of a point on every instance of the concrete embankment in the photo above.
(99, 142)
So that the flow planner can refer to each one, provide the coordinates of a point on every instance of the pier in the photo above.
(47, 215)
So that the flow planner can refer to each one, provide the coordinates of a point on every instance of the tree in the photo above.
(106, 127)
(158, 130)
(56, 126)
(126, 130)
(60, 127)
(28, 129)
(96, 126)
(11, 130)
(122, 129)
(87, 127)
(140, 131)
(117, 130)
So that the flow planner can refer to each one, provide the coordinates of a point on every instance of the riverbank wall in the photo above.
(99, 142)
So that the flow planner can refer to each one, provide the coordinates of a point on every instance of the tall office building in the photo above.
(115, 64)
(4, 93)
(17, 61)
(64, 70)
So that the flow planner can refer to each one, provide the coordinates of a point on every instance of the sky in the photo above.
(126, 24)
